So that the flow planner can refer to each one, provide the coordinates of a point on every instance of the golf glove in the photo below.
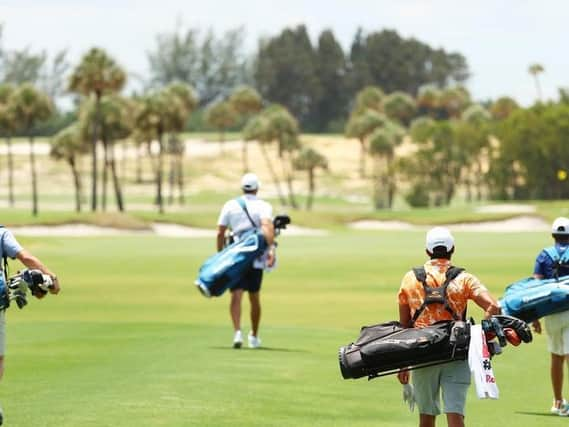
(409, 396)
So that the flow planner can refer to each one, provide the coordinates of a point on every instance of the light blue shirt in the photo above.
(9, 245)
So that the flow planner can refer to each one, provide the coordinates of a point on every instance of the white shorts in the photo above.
(557, 328)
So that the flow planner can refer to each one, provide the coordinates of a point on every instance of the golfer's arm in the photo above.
(405, 315)
(487, 303)
(32, 262)
(268, 231)
(220, 236)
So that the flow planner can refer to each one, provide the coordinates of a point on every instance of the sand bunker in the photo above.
(506, 208)
(517, 224)
(157, 229)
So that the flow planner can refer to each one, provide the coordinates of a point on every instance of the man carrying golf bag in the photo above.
(553, 262)
(439, 291)
(241, 215)
(9, 247)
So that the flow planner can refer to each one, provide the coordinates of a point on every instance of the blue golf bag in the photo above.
(529, 299)
(223, 270)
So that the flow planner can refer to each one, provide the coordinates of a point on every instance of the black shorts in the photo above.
(251, 281)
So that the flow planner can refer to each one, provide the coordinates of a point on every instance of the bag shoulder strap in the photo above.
(552, 253)
(557, 259)
(436, 295)
(243, 205)
(565, 257)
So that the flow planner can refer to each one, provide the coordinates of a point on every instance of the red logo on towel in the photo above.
(490, 379)
(485, 351)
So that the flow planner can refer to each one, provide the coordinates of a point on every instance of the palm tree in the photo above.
(284, 128)
(440, 155)
(30, 107)
(360, 126)
(382, 143)
(246, 101)
(221, 116)
(309, 160)
(96, 74)
(259, 128)
(175, 150)
(399, 106)
(67, 145)
(150, 119)
(475, 123)
(453, 101)
(503, 107)
(369, 98)
(157, 114)
(186, 95)
(429, 101)
(115, 116)
(8, 126)
(535, 70)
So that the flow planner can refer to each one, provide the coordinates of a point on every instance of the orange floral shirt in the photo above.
(464, 287)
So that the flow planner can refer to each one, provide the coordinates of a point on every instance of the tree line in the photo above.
(497, 151)
(454, 145)
(316, 81)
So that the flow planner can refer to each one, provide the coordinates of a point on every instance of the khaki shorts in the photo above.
(452, 379)
(557, 328)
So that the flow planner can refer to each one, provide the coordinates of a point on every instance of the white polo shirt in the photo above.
(234, 217)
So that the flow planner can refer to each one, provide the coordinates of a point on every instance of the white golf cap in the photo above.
(560, 226)
(250, 181)
(439, 236)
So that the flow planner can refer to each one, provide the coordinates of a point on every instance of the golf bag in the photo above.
(386, 348)
(529, 299)
(224, 269)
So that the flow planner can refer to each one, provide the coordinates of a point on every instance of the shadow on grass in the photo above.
(282, 350)
(540, 414)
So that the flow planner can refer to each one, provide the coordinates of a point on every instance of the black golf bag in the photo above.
(386, 348)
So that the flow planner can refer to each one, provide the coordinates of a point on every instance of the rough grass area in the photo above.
(130, 342)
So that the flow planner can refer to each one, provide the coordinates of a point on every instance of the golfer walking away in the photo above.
(10, 248)
(553, 262)
(240, 216)
(439, 291)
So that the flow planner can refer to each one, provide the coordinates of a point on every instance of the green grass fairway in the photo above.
(130, 342)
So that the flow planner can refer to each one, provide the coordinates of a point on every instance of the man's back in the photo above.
(464, 287)
(234, 217)
(545, 264)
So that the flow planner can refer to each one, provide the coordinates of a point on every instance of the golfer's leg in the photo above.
(557, 375)
(455, 420)
(235, 308)
(455, 380)
(426, 420)
(427, 390)
(255, 299)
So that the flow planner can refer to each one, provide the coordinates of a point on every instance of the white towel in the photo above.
(480, 365)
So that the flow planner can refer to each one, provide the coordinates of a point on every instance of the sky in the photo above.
(499, 38)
